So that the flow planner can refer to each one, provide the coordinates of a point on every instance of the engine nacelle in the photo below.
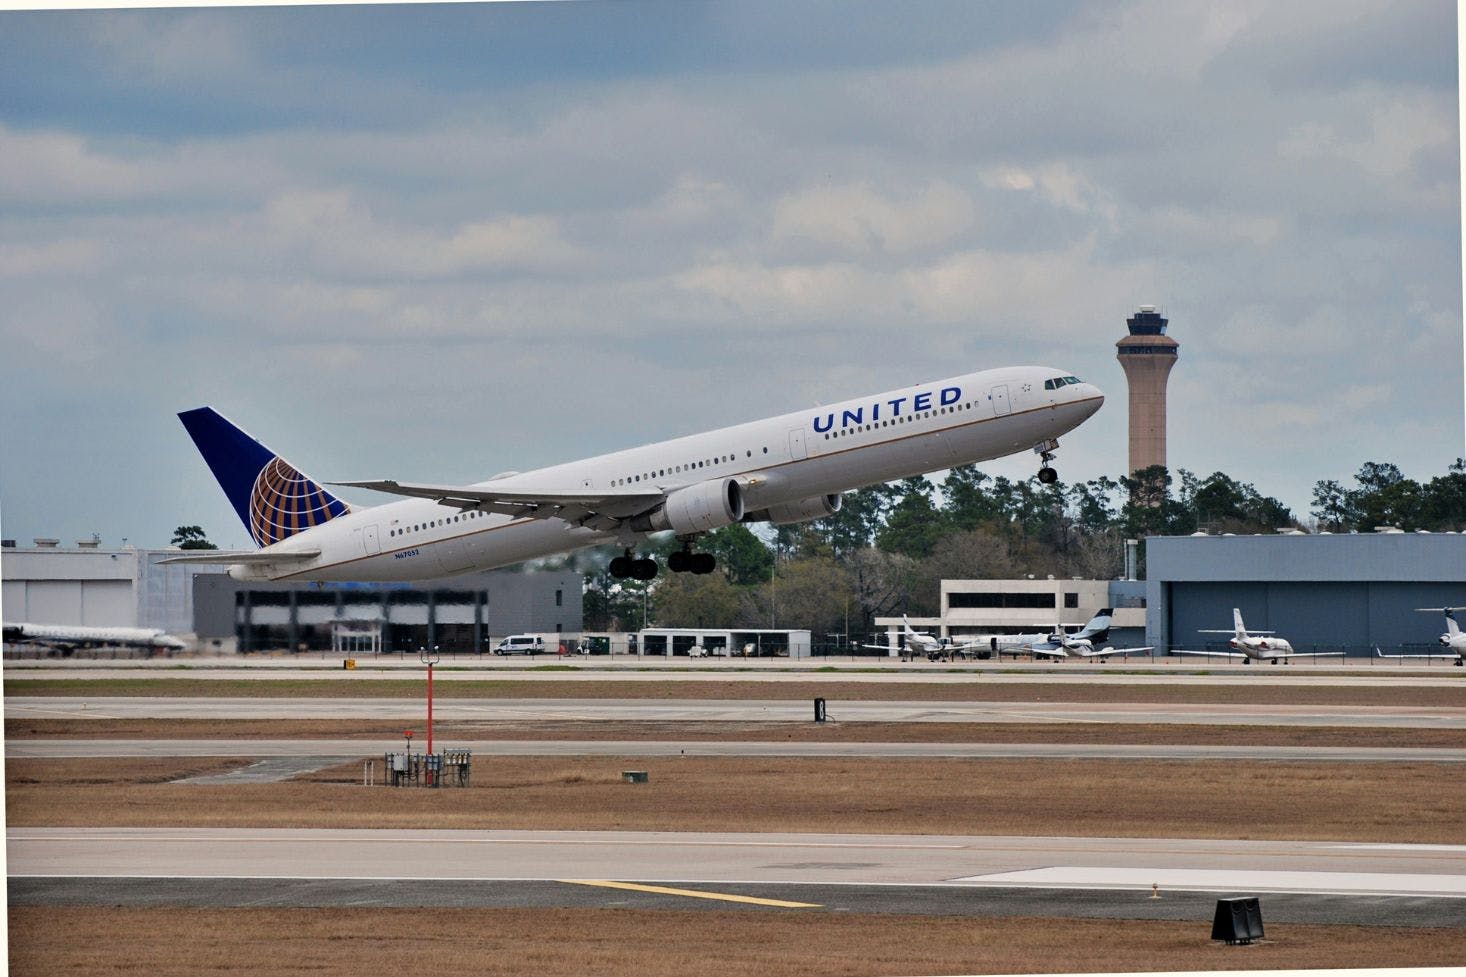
(802, 511)
(696, 508)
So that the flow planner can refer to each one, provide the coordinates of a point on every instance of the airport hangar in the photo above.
(128, 586)
(1344, 592)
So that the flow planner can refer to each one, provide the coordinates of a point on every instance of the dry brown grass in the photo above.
(386, 733)
(977, 690)
(182, 942)
(1342, 801)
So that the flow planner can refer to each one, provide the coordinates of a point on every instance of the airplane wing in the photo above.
(1209, 654)
(1229, 631)
(1105, 652)
(578, 507)
(246, 556)
(1308, 654)
(1047, 652)
(1439, 655)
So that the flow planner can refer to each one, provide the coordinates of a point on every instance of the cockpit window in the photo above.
(1058, 382)
(1071, 380)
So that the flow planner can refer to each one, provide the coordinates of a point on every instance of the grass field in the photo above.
(975, 691)
(182, 942)
(1306, 801)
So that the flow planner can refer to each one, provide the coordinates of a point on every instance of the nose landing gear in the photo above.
(1045, 451)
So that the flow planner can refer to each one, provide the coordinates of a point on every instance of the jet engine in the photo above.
(803, 510)
(696, 508)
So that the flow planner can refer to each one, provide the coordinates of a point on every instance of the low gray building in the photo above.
(1322, 592)
(463, 614)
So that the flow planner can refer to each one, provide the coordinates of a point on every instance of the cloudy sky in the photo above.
(437, 242)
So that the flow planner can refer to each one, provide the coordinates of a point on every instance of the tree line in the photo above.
(889, 547)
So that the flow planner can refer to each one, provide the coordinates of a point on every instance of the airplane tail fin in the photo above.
(1452, 628)
(1098, 628)
(1237, 622)
(273, 498)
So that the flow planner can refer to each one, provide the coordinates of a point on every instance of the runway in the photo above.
(350, 749)
(730, 710)
(693, 860)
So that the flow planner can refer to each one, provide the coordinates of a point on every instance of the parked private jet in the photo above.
(917, 642)
(1250, 647)
(1454, 638)
(1081, 644)
(786, 469)
(77, 636)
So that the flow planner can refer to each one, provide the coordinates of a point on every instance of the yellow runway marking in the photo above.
(692, 893)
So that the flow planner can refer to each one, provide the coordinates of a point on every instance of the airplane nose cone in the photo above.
(1095, 398)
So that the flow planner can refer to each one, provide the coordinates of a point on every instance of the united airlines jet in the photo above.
(786, 469)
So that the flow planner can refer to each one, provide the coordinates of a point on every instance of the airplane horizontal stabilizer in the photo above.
(246, 556)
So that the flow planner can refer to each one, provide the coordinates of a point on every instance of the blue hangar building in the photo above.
(1323, 592)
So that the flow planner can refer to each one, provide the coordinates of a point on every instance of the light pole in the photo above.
(429, 658)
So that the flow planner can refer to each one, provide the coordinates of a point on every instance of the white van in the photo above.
(521, 644)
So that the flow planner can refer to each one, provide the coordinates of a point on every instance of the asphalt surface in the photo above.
(335, 750)
(730, 710)
(946, 875)
(1277, 908)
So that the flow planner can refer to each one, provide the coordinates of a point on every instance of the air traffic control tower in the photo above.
(1146, 356)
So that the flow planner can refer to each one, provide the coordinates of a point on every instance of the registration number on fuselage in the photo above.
(406, 553)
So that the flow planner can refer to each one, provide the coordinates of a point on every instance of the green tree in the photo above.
(913, 524)
(742, 555)
(692, 600)
(191, 538)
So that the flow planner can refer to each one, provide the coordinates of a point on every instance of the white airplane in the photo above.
(918, 642)
(79, 636)
(1081, 644)
(1454, 639)
(786, 469)
(1251, 648)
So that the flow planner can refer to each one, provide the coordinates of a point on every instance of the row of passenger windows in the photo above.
(677, 469)
(845, 432)
(431, 523)
(1058, 382)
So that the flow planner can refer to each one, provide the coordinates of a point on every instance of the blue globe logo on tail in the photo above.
(283, 502)
(273, 498)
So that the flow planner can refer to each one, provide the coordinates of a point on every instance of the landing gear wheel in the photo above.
(677, 562)
(620, 567)
(644, 569)
(702, 562)
(1047, 475)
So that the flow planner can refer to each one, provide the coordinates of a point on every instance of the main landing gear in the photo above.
(625, 566)
(1045, 451)
(681, 561)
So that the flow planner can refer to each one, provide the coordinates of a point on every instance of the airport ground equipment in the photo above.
(450, 768)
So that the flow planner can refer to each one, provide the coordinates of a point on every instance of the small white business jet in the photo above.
(1454, 639)
(1081, 644)
(1256, 645)
(917, 642)
(79, 636)
(786, 469)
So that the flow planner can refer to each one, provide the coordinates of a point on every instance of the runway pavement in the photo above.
(880, 872)
(335, 750)
(730, 710)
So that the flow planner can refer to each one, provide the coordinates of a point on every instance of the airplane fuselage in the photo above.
(781, 461)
